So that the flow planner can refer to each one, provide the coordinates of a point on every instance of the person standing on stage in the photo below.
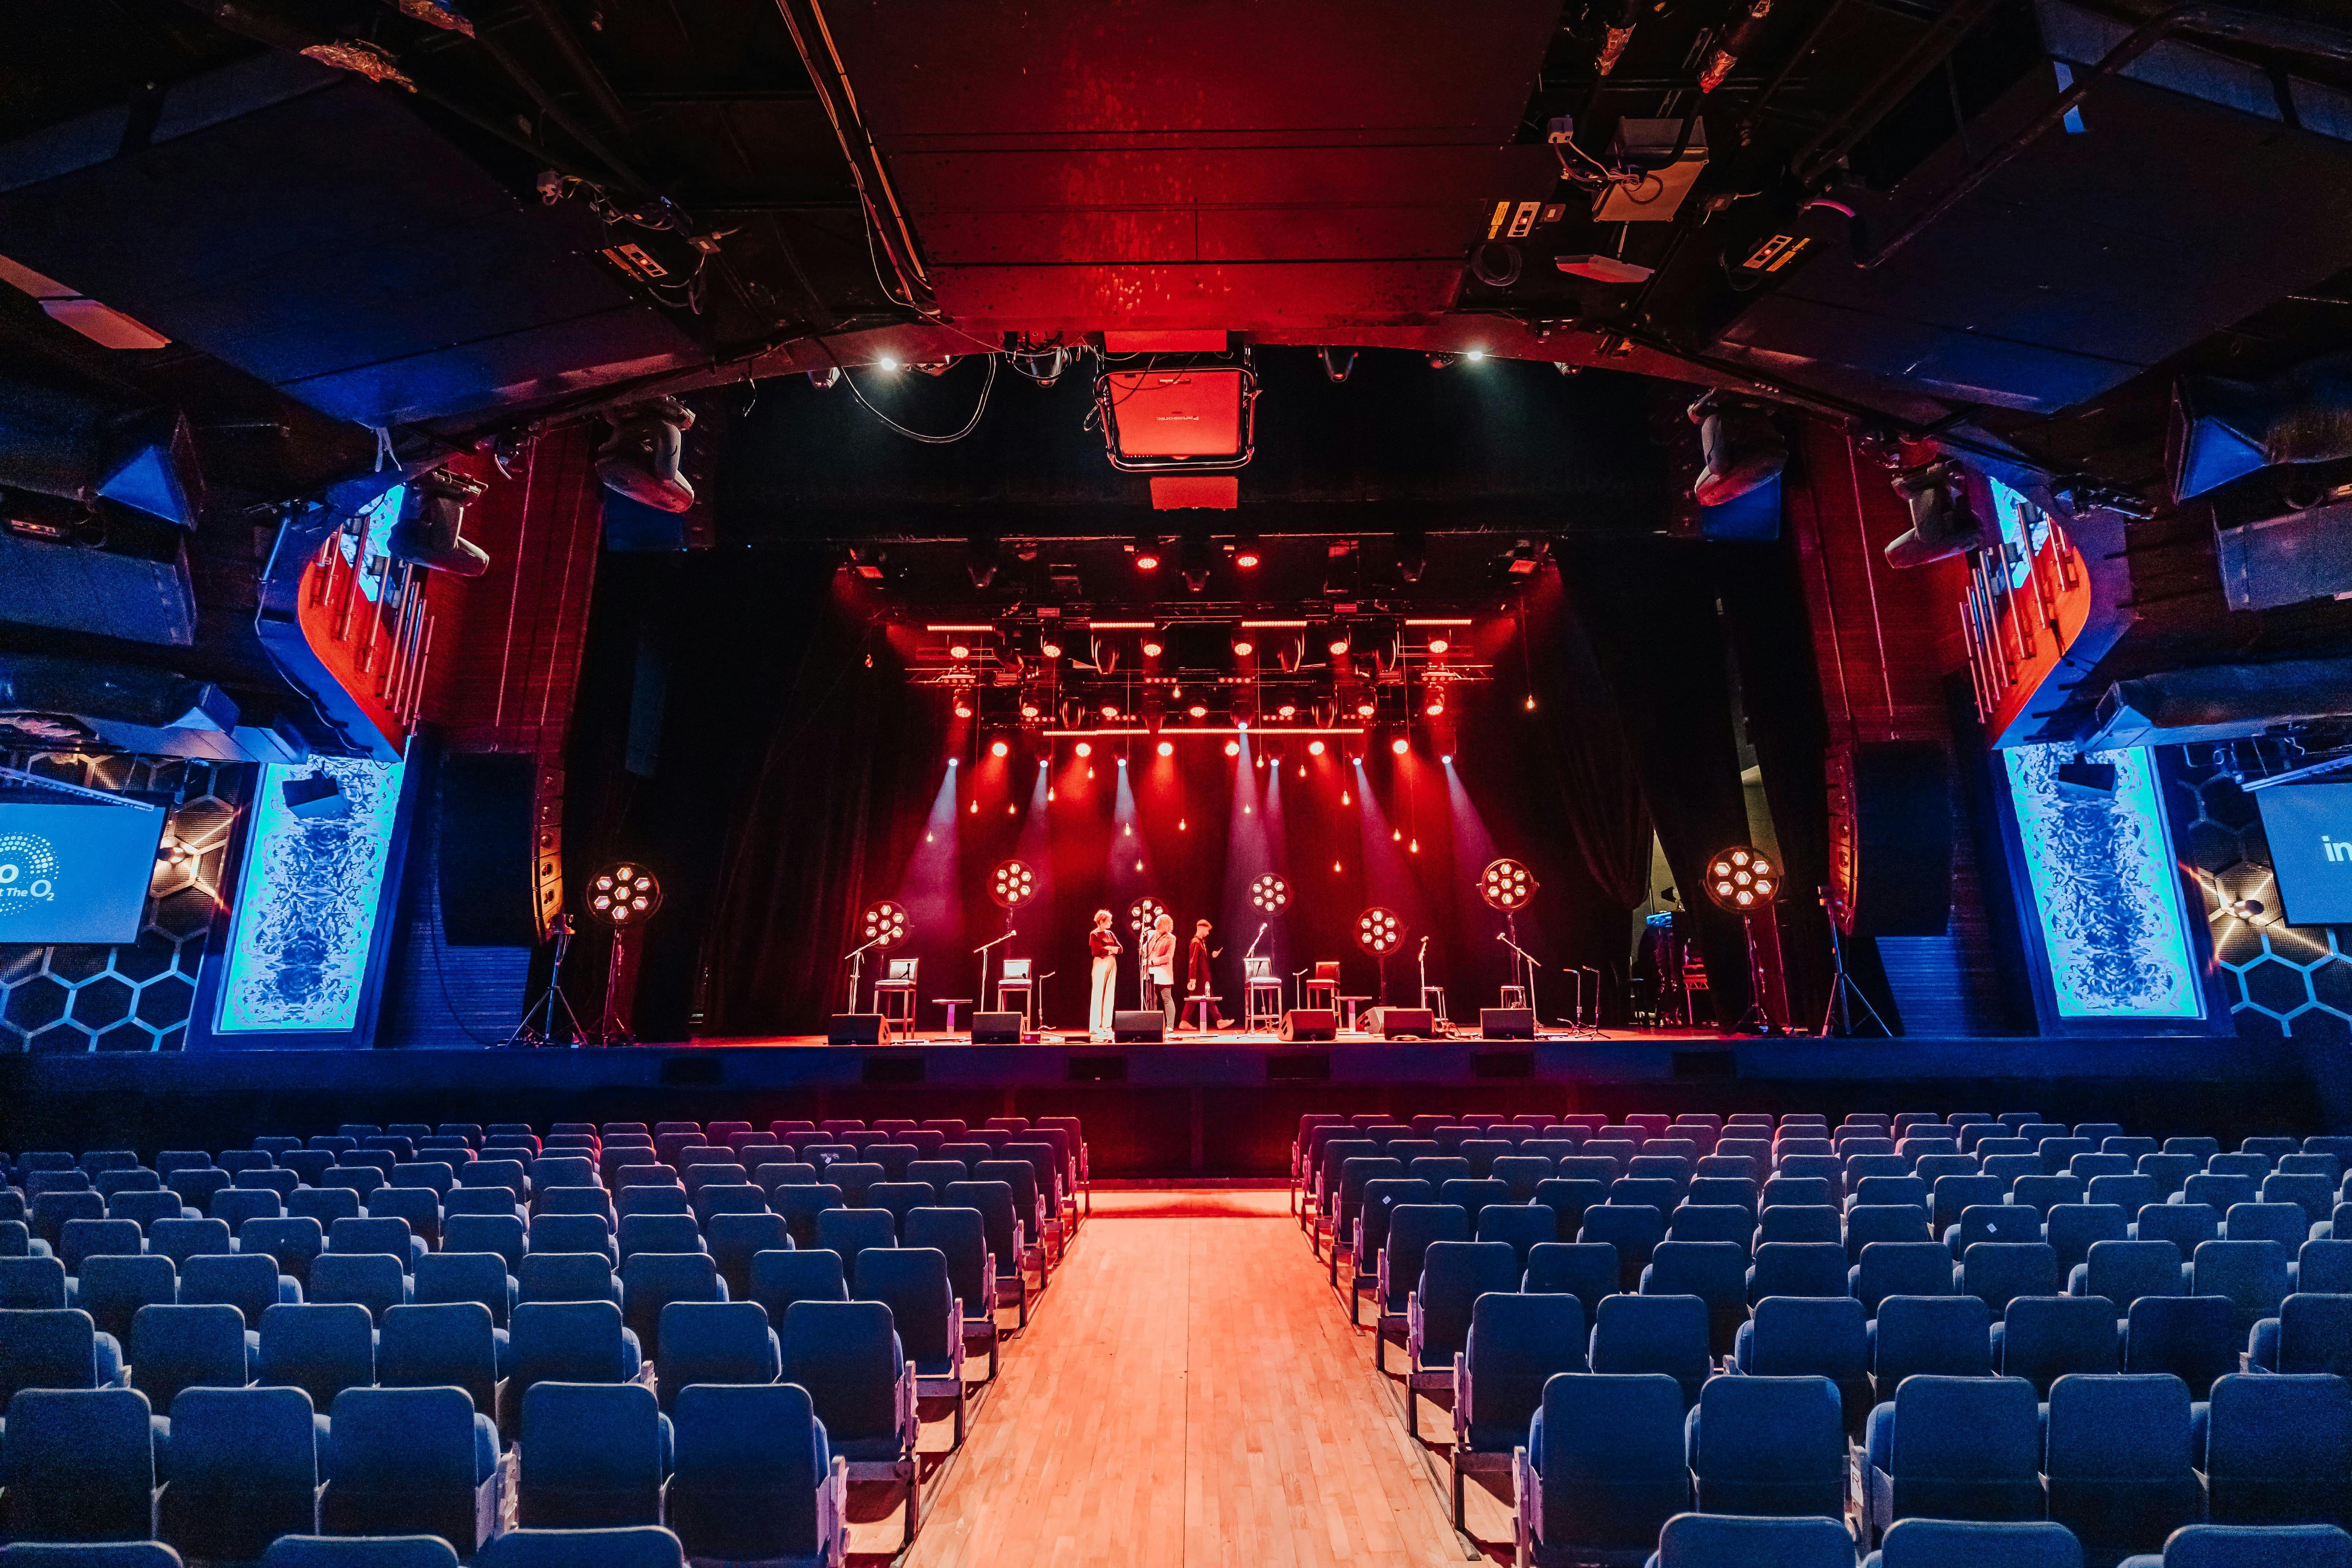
(1197, 984)
(1160, 969)
(1102, 998)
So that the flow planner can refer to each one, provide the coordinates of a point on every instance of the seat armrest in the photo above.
(909, 1422)
(1413, 1331)
(1461, 1403)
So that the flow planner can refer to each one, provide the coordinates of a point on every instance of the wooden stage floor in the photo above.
(1188, 1393)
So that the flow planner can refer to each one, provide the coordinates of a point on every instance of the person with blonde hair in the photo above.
(1102, 997)
(1159, 969)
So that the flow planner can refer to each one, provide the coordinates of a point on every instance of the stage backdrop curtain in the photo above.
(1781, 695)
(1648, 608)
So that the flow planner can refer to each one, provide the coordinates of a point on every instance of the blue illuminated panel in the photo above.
(2107, 890)
(305, 907)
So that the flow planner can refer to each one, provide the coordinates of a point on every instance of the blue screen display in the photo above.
(76, 872)
(2310, 830)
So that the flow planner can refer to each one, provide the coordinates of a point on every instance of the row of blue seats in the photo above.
(644, 1546)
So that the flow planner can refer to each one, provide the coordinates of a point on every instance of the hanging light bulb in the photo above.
(1181, 825)
(1347, 799)
(1414, 847)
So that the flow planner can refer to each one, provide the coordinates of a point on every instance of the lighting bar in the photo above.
(1275, 626)
(1122, 625)
(1439, 621)
(945, 626)
(1173, 732)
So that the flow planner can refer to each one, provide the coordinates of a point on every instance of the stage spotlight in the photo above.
(1193, 562)
(1434, 706)
(1287, 710)
(1439, 646)
(1104, 651)
(963, 708)
(1152, 647)
(1379, 932)
(1085, 748)
(1233, 748)
(1337, 647)
(1243, 648)
(1446, 760)
(640, 460)
(981, 561)
(1167, 748)
(1198, 710)
(1740, 878)
(1028, 710)
(431, 532)
(1142, 913)
(1531, 703)
(1049, 643)
(1147, 553)
(1412, 554)
(1246, 552)
(958, 651)
(1012, 885)
(1400, 745)
(1740, 449)
(1506, 885)
(1290, 651)
(1269, 893)
(1525, 558)
(885, 923)
(1110, 710)
(1365, 709)
(1337, 362)
(1000, 750)
(624, 895)
(887, 361)
(1314, 748)
(1474, 355)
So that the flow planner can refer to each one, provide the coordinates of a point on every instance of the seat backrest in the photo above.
(1953, 1194)
(385, 1235)
(1516, 1343)
(659, 1232)
(1453, 1274)
(2183, 1225)
(2124, 1271)
(2195, 1338)
(1517, 1225)
(2045, 1338)
(2072, 1228)
(1972, 1544)
(247, 1282)
(1942, 1336)
(2283, 1222)
(1801, 1223)
(82, 1238)
(1693, 1221)
(1612, 1461)
(1799, 1268)
(1665, 1335)
(2278, 1449)
(80, 1465)
(912, 1281)
(173, 1348)
(651, 1280)
(1890, 1268)
(552, 1233)
(1771, 1445)
(1821, 1336)
(2315, 1333)
(734, 1239)
(2129, 1192)
(113, 1287)
(318, 1347)
(501, 1233)
(2000, 1271)
(567, 1277)
(2119, 1461)
(1586, 1270)
(2220, 1190)
(591, 1455)
(2253, 1274)
(809, 1274)
(181, 1239)
(478, 1277)
(714, 1341)
(1967, 1447)
(847, 1357)
(54, 1347)
(735, 1442)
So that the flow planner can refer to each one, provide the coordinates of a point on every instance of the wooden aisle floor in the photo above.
(1189, 1394)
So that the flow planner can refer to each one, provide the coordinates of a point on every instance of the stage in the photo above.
(1226, 1106)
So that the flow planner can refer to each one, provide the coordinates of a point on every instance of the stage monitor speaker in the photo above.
(1891, 839)
(998, 1029)
(1147, 1027)
(1507, 1023)
(1310, 1023)
(858, 1030)
(1404, 1023)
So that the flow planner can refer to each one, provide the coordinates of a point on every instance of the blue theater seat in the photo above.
(1976, 1543)
(411, 1460)
(644, 1546)
(1719, 1540)
(594, 1455)
(755, 1480)
(2195, 1338)
(321, 1349)
(2043, 1338)
(2278, 1450)
(446, 1345)
(1796, 1336)
(244, 1471)
(2250, 1546)
(1665, 1335)
(1517, 1343)
(78, 1465)
(1954, 1447)
(2118, 1464)
(1603, 1469)
(175, 1348)
(1773, 1446)
(847, 1357)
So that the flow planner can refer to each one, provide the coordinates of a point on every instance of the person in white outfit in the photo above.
(1160, 968)
(1101, 996)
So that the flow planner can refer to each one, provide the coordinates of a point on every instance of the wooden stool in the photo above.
(1262, 1002)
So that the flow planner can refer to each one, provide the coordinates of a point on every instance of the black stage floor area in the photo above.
(1221, 1108)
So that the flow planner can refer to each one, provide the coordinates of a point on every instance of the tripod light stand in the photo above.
(1744, 881)
(623, 897)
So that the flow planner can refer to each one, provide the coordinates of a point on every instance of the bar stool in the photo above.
(1324, 983)
(1206, 1003)
(898, 983)
(1016, 980)
(1261, 995)
(1434, 998)
(1514, 997)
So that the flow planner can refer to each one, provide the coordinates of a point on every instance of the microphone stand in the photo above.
(980, 1004)
(1530, 959)
(856, 958)
(1297, 976)
(1592, 1009)
(1041, 1000)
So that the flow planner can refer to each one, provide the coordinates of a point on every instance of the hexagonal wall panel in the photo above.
(136, 996)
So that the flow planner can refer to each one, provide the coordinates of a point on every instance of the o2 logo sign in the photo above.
(28, 871)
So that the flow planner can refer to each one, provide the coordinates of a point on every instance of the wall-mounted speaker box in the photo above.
(997, 1028)
(1405, 1023)
(1891, 836)
(1506, 1022)
(1146, 1028)
(858, 1030)
(1310, 1023)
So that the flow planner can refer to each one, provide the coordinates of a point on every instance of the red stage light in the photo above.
(1000, 750)
(1246, 557)
(1447, 760)
(1438, 645)
(1364, 709)
(1233, 748)
(1400, 745)
(1314, 748)
(1197, 710)
(1288, 710)
(1436, 706)
(1338, 645)
(1167, 748)
(1085, 748)
(1028, 711)
(1110, 709)
(1243, 648)
(963, 708)
(958, 650)
(1049, 648)
(1147, 560)
(1152, 647)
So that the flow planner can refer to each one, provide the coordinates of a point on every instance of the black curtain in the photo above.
(1788, 724)
(1649, 610)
